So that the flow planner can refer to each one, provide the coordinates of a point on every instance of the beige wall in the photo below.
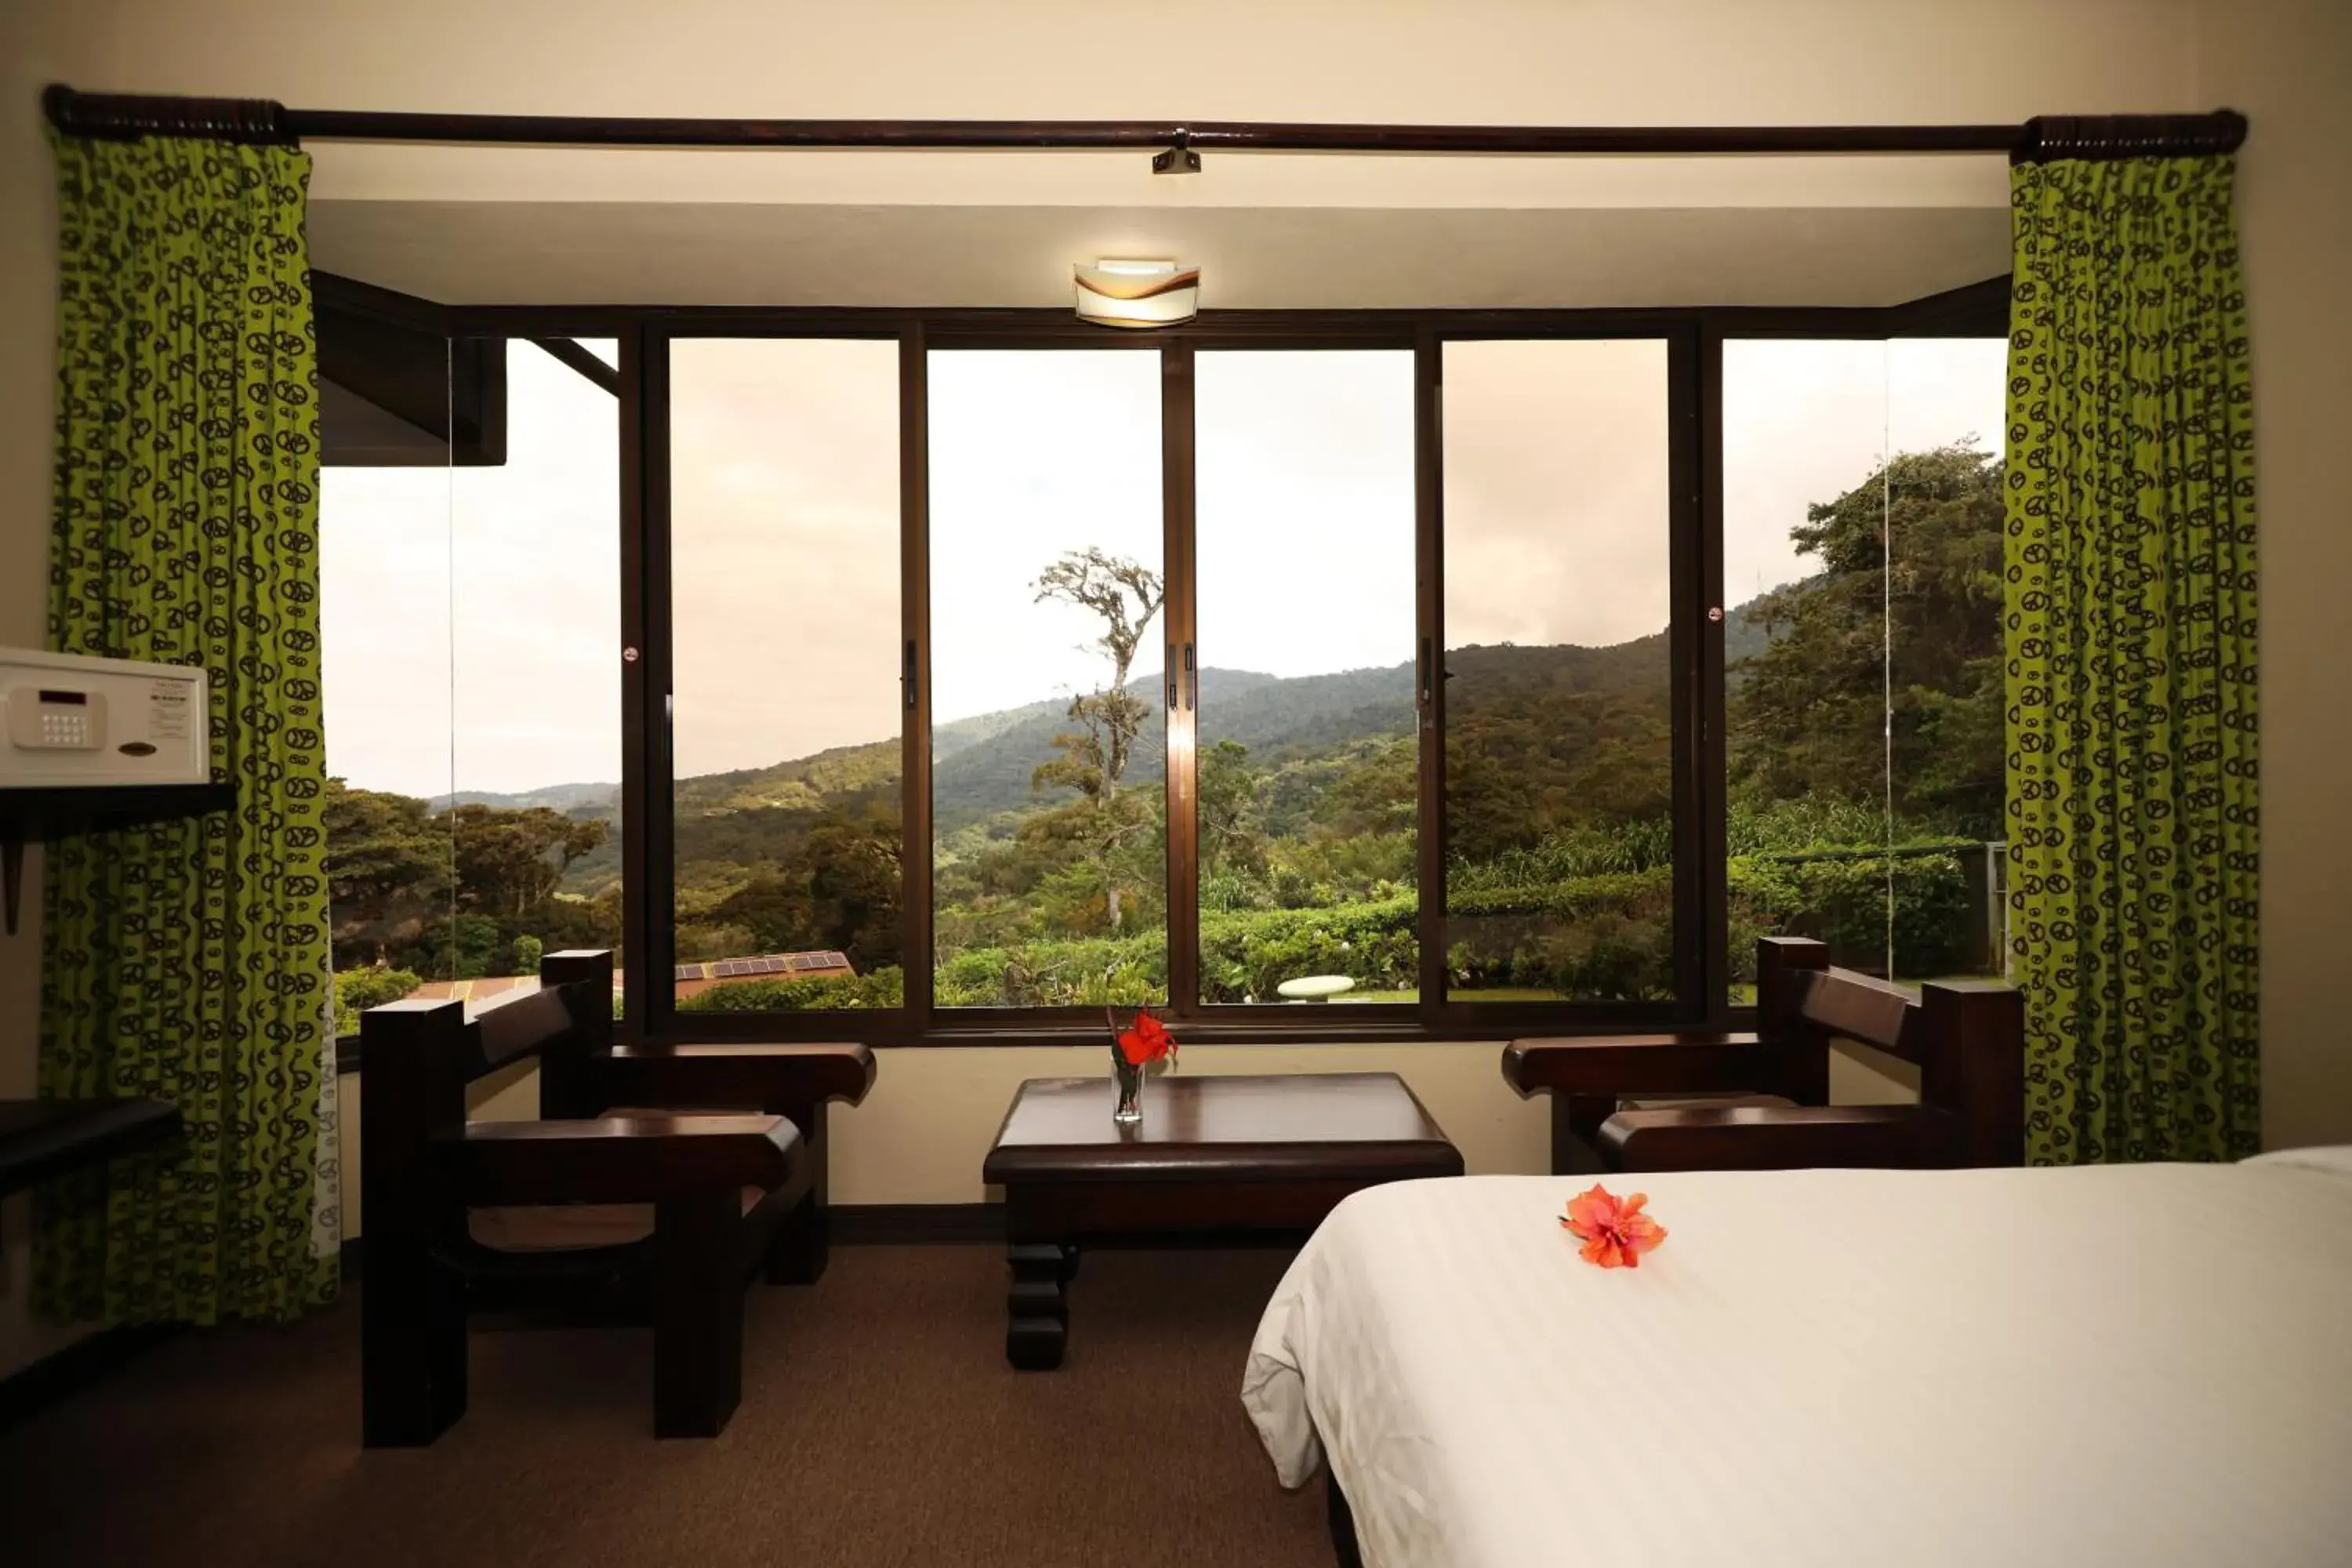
(2288, 64)
(1537, 61)
(37, 43)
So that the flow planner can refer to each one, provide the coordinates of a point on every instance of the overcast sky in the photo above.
(472, 615)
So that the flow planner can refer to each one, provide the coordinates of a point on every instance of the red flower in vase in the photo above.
(1148, 1041)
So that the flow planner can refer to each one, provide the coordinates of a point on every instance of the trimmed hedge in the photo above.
(1609, 936)
(357, 990)
(809, 993)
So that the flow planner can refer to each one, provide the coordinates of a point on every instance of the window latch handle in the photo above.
(1192, 682)
(907, 680)
(1424, 662)
(1171, 667)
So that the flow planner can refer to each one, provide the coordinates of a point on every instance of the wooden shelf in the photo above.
(45, 1138)
(37, 813)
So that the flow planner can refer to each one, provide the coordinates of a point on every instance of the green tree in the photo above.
(1232, 835)
(834, 885)
(390, 871)
(1809, 714)
(508, 861)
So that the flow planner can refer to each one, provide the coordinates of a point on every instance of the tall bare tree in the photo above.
(1125, 596)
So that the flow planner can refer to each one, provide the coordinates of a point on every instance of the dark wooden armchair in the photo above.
(1758, 1101)
(660, 1182)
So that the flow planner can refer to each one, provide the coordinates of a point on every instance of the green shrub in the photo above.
(808, 992)
(1840, 898)
(357, 990)
(1081, 972)
(1247, 953)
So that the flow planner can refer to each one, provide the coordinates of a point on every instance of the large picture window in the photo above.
(1559, 764)
(786, 716)
(1862, 563)
(469, 603)
(1307, 758)
(1049, 822)
(1378, 677)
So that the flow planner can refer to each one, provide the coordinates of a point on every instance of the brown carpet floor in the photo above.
(880, 1425)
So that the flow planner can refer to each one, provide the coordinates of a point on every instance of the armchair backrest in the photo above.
(1966, 1036)
(416, 1058)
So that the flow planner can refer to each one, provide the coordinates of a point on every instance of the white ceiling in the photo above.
(488, 225)
(742, 253)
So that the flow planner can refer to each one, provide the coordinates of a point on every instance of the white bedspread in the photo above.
(2126, 1365)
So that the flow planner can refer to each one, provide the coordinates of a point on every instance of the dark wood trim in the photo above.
(32, 814)
(41, 1138)
(1082, 1027)
(267, 121)
(389, 306)
(1780, 1138)
(1978, 309)
(638, 906)
(919, 1224)
(1180, 682)
(572, 355)
(31, 1390)
(1429, 653)
(917, 962)
(654, 804)
(1690, 600)
(1710, 846)
(1043, 327)
(400, 355)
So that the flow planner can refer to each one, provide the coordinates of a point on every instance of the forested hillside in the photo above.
(1049, 881)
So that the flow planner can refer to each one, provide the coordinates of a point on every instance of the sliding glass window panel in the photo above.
(1945, 416)
(784, 551)
(1307, 761)
(384, 582)
(1559, 854)
(1806, 483)
(535, 682)
(1048, 738)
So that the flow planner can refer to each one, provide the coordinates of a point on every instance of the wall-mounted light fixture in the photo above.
(1123, 293)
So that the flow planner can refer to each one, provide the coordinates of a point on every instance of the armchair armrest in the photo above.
(624, 1159)
(1644, 1064)
(779, 1078)
(1780, 1138)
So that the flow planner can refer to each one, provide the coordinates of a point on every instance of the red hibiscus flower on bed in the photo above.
(1148, 1041)
(1615, 1232)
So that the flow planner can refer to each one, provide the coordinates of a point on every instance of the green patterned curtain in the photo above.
(188, 962)
(2131, 659)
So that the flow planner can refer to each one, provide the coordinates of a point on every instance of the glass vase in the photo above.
(1128, 1080)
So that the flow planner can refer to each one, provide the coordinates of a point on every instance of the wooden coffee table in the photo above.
(1213, 1153)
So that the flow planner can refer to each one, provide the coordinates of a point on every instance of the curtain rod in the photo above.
(1180, 142)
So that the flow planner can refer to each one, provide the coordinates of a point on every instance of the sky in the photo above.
(471, 615)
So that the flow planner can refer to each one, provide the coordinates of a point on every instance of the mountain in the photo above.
(1275, 718)
(563, 797)
(984, 764)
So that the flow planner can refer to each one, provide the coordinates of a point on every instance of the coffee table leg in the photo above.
(1038, 1310)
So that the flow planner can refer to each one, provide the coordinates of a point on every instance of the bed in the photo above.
(2121, 1365)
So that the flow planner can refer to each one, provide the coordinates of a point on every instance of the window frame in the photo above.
(1694, 339)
